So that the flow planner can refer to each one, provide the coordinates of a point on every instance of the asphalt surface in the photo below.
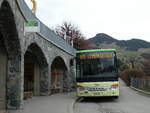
(130, 101)
(57, 103)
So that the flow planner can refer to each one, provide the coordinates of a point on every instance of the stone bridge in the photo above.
(33, 63)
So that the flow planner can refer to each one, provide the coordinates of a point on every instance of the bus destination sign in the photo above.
(96, 55)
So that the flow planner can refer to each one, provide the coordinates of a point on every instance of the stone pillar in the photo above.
(14, 87)
(44, 81)
(36, 79)
(72, 77)
(49, 80)
(65, 81)
(70, 80)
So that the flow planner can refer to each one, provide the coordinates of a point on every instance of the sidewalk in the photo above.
(58, 103)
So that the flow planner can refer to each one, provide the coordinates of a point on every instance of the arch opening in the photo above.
(3, 74)
(34, 64)
(58, 75)
(9, 30)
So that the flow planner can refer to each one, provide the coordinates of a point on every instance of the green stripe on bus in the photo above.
(96, 50)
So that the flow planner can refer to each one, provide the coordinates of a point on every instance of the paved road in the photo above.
(130, 101)
(57, 103)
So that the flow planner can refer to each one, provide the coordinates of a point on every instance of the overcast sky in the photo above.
(121, 19)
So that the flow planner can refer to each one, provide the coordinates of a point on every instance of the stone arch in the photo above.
(59, 73)
(9, 30)
(11, 43)
(35, 71)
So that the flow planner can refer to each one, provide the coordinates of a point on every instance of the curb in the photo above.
(148, 93)
(71, 106)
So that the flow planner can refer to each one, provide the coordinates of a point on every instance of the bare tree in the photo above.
(133, 59)
(146, 66)
(70, 32)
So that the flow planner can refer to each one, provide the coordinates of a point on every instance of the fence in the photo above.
(142, 84)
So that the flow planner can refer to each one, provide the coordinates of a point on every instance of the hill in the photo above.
(131, 45)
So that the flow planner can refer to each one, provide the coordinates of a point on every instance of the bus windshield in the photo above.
(102, 65)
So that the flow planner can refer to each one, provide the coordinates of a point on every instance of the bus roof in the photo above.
(96, 50)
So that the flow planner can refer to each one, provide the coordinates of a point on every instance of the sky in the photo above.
(121, 19)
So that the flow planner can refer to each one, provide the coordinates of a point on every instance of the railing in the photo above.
(45, 32)
(141, 84)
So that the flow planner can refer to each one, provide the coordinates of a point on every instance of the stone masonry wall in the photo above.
(48, 50)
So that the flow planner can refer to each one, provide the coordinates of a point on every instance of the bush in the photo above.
(124, 67)
(146, 67)
(127, 74)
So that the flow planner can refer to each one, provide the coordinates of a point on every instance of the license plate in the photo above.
(97, 94)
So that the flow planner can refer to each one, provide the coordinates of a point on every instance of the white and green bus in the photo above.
(97, 73)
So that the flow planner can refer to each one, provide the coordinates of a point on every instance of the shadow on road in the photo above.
(97, 99)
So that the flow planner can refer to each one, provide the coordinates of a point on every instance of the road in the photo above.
(130, 101)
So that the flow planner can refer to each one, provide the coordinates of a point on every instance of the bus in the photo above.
(97, 73)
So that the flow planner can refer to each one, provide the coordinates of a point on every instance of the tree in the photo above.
(146, 67)
(133, 58)
(71, 33)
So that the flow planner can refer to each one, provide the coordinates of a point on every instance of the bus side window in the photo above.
(116, 64)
